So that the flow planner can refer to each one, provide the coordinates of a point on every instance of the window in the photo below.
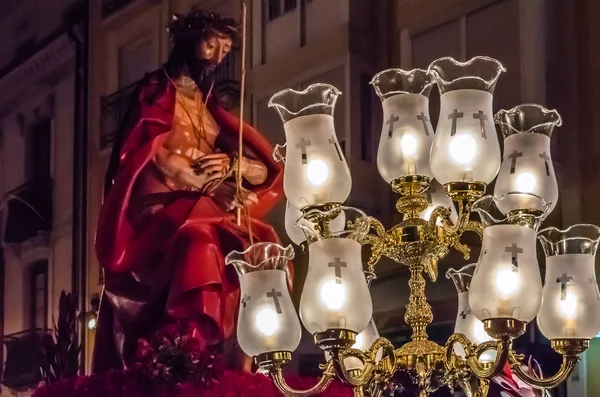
(40, 147)
(135, 59)
(273, 9)
(38, 282)
(289, 5)
(365, 118)
(276, 8)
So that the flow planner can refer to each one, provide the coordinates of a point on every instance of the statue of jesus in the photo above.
(167, 220)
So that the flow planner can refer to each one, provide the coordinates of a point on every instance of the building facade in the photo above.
(42, 173)
(293, 43)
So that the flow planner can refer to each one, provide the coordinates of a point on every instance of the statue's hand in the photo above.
(214, 162)
(225, 195)
(182, 170)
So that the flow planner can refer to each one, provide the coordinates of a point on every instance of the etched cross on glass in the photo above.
(595, 283)
(275, 295)
(563, 280)
(246, 299)
(513, 160)
(482, 119)
(335, 143)
(391, 122)
(423, 117)
(338, 265)
(302, 145)
(546, 158)
(466, 311)
(454, 116)
(514, 250)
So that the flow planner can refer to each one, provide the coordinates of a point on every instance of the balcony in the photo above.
(114, 107)
(23, 358)
(109, 7)
(29, 211)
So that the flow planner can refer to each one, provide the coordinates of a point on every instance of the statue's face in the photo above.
(213, 50)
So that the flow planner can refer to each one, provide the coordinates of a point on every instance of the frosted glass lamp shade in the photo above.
(335, 294)
(406, 133)
(470, 326)
(507, 281)
(316, 171)
(571, 299)
(465, 147)
(527, 164)
(267, 320)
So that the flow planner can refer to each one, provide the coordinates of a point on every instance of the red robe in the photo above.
(172, 267)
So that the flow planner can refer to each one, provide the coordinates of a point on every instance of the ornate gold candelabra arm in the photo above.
(371, 371)
(454, 231)
(377, 242)
(473, 352)
(567, 366)
(276, 376)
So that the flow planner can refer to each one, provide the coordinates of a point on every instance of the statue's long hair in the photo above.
(184, 31)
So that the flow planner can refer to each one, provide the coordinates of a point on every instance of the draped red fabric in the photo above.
(172, 266)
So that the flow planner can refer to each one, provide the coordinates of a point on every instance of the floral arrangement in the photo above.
(175, 363)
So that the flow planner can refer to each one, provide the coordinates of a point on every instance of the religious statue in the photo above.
(168, 216)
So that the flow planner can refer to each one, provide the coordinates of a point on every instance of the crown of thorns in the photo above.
(201, 24)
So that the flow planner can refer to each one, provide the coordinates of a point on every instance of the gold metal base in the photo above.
(335, 339)
(321, 215)
(324, 207)
(410, 184)
(527, 218)
(501, 328)
(420, 351)
(271, 359)
(411, 189)
(460, 191)
(570, 347)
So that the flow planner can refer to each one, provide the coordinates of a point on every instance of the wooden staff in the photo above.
(241, 126)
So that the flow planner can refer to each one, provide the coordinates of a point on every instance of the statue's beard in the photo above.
(200, 69)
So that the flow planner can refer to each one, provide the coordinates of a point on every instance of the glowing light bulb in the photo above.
(507, 282)
(266, 321)
(360, 340)
(526, 182)
(333, 295)
(317, 172)
(463, 149)
(568, 306)
(92, 322)
(408, 143)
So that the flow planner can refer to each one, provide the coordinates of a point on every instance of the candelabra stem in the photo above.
(358, 391)
(418, 311)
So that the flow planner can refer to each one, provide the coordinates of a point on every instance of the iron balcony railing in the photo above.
(23, 358)
(114, 107)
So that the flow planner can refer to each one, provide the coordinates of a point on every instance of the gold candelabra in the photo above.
(464, 155)
(420, 244)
